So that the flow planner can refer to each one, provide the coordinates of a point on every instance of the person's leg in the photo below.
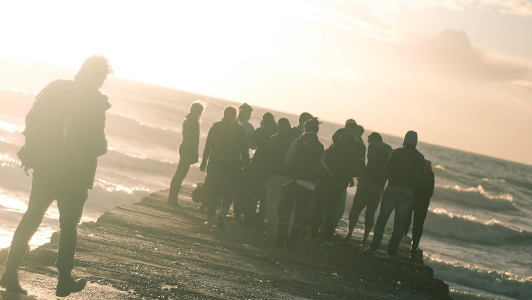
(70, 212)
(273, 197)
(229, 193)
(263, 204)
(302, 198)
(359, 202)
(421, 208)
(389, 199)
(215, 194)
(177, 180)
(286, 207)
(332, 204)
(402, 209)
(340, 209)
(32, 218)
(320, 196)
(373, 200)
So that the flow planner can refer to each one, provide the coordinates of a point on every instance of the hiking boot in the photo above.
(297, 230)
(393, 256)
(68, 285)
(328, 243)
(370, 251)
(10, 282)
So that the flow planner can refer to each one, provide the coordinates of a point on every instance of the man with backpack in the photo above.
(64, 137)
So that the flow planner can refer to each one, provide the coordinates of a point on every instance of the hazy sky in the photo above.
(456, 71)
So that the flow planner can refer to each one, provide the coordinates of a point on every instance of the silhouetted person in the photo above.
(370, 185)
(404, 171)
(64, 136)
(358, 150)
(244, 186)
(422, 194)
(259, 171)
(276, 150)
(244, 114)
(188, 150)
(226, 151)
(339, 160)
(303, 160)
(303, 118)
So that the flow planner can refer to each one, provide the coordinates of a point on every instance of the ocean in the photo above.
(477, 235)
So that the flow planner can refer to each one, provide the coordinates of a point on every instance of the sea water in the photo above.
(477, 235)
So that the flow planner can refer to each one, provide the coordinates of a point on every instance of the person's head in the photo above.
(374, 137)
(268, 120)
(93, 72)
(312, 125)
(283, 126)
(360, 130)
(196, 109)
(304, 117)
(244, 112)
(340, 137)
(351, 126)
(410, 139)
(230, 113)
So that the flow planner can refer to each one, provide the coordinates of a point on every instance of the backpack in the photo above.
(48, 138)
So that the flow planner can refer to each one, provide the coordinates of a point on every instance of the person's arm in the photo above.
(207, 150)
(324, 166)
(244, 151)
(389, 167)
(289, 157)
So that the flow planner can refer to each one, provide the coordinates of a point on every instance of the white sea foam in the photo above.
(467, 227)
(475, 196)
(495, 281)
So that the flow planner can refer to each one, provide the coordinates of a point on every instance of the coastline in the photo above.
(149, 250)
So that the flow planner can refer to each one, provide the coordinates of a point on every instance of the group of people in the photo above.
(292, 185)
(290, 181)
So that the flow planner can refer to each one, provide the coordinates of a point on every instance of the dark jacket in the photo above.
(226, 148)
(339, 160)
(405, 167)
(358, 149)
(378, 154)
(276, 152)
(65, 132)
(188, 150)
(425, 188)
(306, 159)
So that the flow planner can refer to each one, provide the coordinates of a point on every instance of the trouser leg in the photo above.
(420, 213)
(340, 209)
(177, 180)
(332, 204)
(374, 198)
(32, 218)
(70, 212)
(215, 194)
(273, 197)
(387, 206)
(302, 196)
(320, 197)
(359, 202)
(402, 209)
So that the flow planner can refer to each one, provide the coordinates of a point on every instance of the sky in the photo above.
(459, 72)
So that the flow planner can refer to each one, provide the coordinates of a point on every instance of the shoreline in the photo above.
(149, 250)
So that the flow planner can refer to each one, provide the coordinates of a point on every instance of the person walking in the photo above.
(188, 150)
(404, 170)
(64, 137)
(370, 185)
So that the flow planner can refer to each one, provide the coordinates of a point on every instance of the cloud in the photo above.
(452, 52)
